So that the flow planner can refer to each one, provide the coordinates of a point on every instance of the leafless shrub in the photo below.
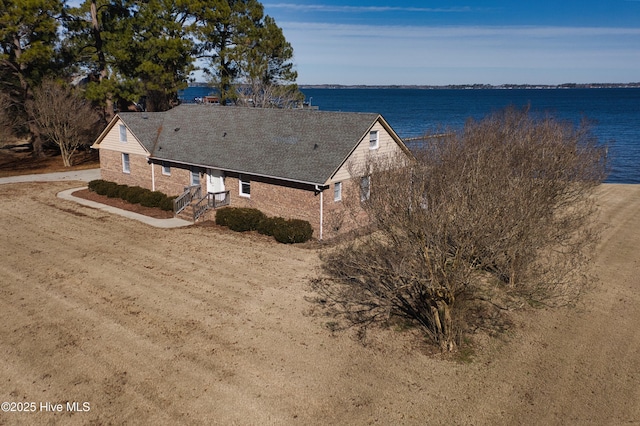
(7, 119)
(63, 117)
(260, 95)
(508, 198)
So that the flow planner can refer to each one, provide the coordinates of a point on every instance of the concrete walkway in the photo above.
(83, 175)
(158, 223)
(87, 176)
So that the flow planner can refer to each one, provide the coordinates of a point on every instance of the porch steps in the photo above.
(191, 205)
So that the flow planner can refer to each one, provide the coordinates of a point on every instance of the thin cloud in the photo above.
(343, 53)
(361, 9)
(457, 31)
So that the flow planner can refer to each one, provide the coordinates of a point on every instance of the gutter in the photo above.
(153, 175)
(244, 172)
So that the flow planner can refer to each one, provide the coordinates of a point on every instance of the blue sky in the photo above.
(461, 42)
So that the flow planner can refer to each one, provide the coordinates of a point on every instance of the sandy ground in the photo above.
(203, 326)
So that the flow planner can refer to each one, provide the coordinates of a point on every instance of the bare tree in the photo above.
(260, 95)
(521, 189)
(6, 118)
(506, 200)
(64, 117)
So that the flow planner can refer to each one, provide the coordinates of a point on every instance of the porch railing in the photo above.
(209, 201)
(184, 200)
(200, 207)
(218, 199)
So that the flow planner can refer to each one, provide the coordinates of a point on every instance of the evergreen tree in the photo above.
(134, 50)
(28, 52)
(95, 30)
(242, 45)
(162, 51)
(268, 76)
(142, 49)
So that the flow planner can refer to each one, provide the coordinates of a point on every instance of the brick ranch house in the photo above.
(288, 163)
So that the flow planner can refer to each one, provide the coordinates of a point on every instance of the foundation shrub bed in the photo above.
(287, 231)
(152, 198)
(293, 231)
(240, 219)
(269, 224)
(132, 194)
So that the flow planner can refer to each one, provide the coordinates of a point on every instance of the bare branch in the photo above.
(64, 117)
(508, 197)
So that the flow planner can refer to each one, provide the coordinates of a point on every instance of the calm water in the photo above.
(614, 113)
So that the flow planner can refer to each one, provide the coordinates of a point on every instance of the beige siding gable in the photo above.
(111, 141)
(387, 147)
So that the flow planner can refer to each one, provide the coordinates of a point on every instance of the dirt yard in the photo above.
(202, 326)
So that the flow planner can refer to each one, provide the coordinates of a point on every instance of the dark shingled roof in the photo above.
(298, 145)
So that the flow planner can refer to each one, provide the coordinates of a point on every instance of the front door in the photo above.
(215, 182)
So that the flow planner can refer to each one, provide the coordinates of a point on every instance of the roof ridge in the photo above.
(279, 143)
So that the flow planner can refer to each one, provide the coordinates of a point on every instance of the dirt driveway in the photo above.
(202, 326)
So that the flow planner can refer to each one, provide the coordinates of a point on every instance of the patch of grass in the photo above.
(332, 326)
(466, 352)
(535, 304)
(403, 324)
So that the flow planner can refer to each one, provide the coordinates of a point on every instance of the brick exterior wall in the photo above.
(277, 198)
(345, 215)
(174, 183)
(111, 169)
(285, 199)
(271, 196)
(141, 175)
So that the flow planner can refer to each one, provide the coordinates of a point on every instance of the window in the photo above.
(125, 163)
(195, 177)
(166, 170)
(123, 133)
(373, 139)
(365, 188)
(337, 191)
(245, 187)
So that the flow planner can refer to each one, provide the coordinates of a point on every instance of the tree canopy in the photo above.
(28, 52)
(140, 53)
(242, 45)
(146, 50)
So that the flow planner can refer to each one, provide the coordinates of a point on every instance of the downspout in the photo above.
(321, 209)
(153, 176)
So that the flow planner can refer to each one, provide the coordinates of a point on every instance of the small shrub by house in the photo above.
(132, 194)
(287, 231)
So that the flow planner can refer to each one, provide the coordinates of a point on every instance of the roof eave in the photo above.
(342, 163)
(96, 144)
(206, 166)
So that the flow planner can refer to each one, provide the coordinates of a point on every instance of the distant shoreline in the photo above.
(464, 86)
(478, 86)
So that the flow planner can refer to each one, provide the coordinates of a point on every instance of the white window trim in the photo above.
(123, 133)
(376, 145)
(337, 191)
(166, 170)
(126, 163)
(242, 180)
(193, 174)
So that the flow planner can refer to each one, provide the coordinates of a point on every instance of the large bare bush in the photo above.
(260, 95)
(507, 200)
(63, 117)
